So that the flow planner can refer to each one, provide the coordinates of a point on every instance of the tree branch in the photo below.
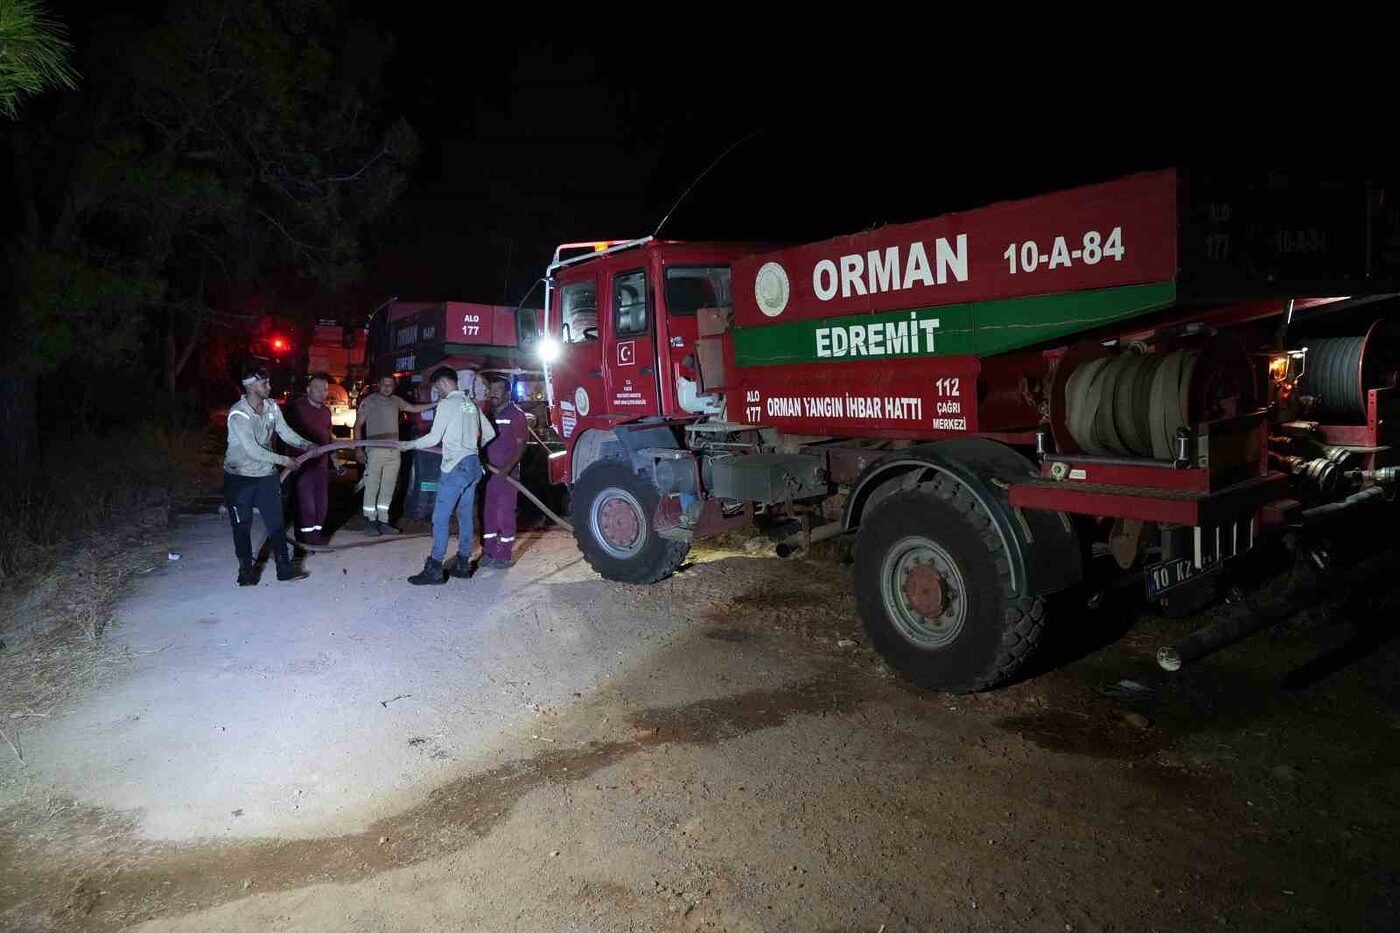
(305, 249)
(383, 151)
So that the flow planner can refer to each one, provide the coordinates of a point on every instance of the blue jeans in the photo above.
(456, 490)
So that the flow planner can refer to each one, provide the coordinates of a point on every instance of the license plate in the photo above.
(1161, 577)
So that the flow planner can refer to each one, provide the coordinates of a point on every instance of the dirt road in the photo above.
(539, 750)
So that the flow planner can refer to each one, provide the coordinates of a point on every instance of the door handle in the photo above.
(647, 371)
(595, 372)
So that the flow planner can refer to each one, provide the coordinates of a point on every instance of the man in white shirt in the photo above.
(459, 426)
(250, 475)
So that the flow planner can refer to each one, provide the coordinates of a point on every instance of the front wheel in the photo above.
(611, 507)
(933, 588)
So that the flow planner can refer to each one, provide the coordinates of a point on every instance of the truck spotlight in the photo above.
(548, 349)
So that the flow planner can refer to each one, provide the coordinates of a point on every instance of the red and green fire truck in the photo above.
(1150, 378)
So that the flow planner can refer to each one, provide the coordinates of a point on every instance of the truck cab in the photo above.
(622, 321)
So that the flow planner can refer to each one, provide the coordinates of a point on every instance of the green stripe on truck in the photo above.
(983, 328)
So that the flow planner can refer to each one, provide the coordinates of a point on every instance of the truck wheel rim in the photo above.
(918, 576)
(618, 523)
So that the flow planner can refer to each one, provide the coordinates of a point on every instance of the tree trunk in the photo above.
(176, 358)
(19, 425)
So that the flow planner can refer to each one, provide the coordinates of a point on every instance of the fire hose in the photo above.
(394, 445)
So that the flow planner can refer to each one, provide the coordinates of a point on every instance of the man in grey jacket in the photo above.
(461, 430)
(250, 475)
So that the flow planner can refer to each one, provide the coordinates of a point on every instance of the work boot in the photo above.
(461, 568)
(287, 571)
(372, 529)
(387, 529)
(430, 575)
(247, 575)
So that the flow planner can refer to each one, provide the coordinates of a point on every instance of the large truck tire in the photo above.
(611, 508)
(934, 590)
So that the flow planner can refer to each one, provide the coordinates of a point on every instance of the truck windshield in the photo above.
(690, 288)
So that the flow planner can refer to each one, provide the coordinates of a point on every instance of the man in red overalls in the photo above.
(311, 416)
(503, 453)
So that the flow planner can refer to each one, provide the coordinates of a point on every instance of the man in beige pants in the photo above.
(378, 420)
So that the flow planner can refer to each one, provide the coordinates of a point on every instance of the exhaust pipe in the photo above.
(791, 545)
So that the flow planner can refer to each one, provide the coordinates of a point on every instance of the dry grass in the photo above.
(93, 522)
(88, 482)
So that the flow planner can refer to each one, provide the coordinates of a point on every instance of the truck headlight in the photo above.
(548, 350)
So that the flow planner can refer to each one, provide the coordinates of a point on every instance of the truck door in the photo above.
(578, 373)
(631, 357)
(692, 283)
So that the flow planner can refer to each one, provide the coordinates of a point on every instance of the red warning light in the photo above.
(279, 344)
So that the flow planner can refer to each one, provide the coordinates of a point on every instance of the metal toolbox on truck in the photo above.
(768, 478)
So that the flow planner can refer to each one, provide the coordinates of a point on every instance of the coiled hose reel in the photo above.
(1136, 402)
(1339, 372)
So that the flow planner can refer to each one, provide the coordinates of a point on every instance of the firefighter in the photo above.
(378, 420)
(250, 475)
(312, 417)
(504, 453)
(459, 426)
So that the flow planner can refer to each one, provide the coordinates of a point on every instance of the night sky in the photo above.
(586, 124)
(529, 145)
(529, 141)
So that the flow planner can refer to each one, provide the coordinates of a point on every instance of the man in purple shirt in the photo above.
(312, 418)
(504, 453)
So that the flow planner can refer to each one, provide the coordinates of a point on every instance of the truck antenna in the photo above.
(735, 145)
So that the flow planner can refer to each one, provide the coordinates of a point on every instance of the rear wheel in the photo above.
(611, 509)
(933, 587)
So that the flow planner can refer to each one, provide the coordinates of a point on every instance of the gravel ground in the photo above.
(540, 750)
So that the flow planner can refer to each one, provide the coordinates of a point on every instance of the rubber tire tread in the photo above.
(658, 559)
(944, 503)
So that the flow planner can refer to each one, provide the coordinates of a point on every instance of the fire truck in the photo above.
(1150, 379)
(410, 339)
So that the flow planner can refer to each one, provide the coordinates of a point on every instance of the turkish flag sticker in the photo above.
(627, 353)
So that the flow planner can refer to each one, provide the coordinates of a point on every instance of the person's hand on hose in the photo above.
(339, 467)
(284, 460)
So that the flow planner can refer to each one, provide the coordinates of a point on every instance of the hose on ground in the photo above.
(394, 445)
